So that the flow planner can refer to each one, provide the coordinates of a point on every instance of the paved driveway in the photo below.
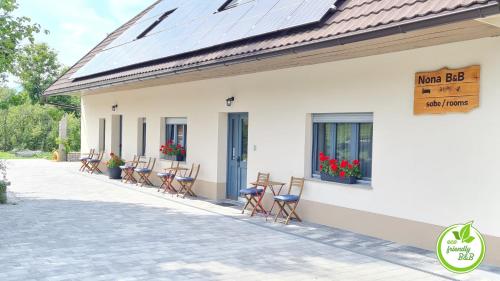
(73, 226)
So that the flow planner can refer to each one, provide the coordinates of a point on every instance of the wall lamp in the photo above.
(229, 101)
(114, 107)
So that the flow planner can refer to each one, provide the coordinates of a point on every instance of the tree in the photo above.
(9, 97)
(13, 31)
(37, 67)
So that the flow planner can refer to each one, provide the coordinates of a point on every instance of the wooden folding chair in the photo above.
(94, 163)
(145, 171)
(287, 203)
(187, 181)
(129, 169)
(168, 177)
(85, 159)
(255, 194)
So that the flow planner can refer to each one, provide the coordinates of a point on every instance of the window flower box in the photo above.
(339, 171)
(173, 152)
(344, 180)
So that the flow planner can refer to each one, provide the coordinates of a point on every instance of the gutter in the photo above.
(491, 8)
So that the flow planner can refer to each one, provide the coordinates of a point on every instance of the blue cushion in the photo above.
(143, 170)
(126, 167)
(94, 160)
(251, 191)
(184, 179)
(164, 175)
(84, 158)
(287, 198)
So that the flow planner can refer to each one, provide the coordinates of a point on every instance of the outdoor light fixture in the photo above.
(229, 101)
(114, 107)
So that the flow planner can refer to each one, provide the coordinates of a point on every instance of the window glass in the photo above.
(365, 149)
(343, 149)
(176, 132)
(244, 139)
(344, 141)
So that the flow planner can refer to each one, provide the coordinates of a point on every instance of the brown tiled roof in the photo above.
(352, 18)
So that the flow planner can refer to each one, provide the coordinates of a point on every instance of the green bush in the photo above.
(35, 127)
(3, 192)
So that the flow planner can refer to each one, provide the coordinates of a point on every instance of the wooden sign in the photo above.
(447, 90)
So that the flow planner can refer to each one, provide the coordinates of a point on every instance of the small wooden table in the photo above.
(275, 188)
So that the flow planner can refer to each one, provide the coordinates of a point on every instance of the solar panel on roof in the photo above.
(240, 29)
(214, 37)
(273, 19)
(131, 33)
(196, 25)
(310, 10)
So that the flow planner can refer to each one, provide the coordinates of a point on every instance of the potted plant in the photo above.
(341, 171)
(62, 154)
(113, 165)
(173, 151)
(3, 182)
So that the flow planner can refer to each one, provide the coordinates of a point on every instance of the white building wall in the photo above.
(440, 169)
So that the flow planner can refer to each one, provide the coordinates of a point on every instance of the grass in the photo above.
(9, 155)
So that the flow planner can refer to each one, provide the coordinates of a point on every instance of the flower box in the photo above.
(173, 152)
(178, 158)
(341, 171)
(339, 179)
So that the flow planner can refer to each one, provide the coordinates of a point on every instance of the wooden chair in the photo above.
(145, 171)
(129, 169)
(168, 177)
(287, 203)
(255, 193)
(85, 159)
(187, 181)
(94, 163)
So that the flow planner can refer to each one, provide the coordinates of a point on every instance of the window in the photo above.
(102, 134)
(154, 24)
(233, 3)
(344, 136)
(175, 131)
(141, 137)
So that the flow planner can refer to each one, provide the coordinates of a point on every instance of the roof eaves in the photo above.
(466, 13)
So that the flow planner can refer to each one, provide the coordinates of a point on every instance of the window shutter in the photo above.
(342, 118)
(176, 121)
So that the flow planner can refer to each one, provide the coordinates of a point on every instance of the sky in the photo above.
(76, 26)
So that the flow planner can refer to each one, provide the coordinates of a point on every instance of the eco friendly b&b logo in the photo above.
(461, 248)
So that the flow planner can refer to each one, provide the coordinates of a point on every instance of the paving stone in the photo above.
(74, 226)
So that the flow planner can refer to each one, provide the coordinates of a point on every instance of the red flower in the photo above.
(321, 167)
(334, 167)
(342, 174)
(183, 152)
(350, 167)
(333, 162)
(323, 157)
(355, 162)
(344, 164)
